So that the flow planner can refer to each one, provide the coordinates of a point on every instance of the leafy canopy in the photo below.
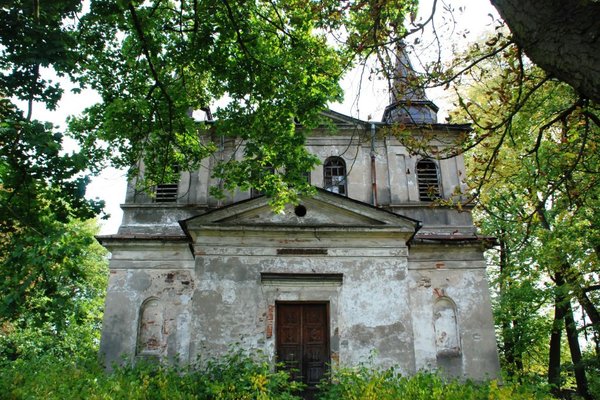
(155, 62)
(534, 170)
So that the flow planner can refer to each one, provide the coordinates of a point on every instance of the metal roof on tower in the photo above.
(408, 102)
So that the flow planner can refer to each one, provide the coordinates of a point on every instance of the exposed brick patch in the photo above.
(270, 319)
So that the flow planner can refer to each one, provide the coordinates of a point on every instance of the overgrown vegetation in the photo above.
(236, 376)
(365, 382)
(53, 280)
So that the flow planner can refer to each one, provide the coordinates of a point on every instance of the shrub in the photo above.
(365, 383)
(237, 375)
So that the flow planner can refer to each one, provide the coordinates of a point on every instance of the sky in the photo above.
(472, 19)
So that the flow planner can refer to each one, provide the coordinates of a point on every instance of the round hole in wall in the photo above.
(300, 210)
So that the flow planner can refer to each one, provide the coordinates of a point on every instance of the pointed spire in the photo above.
(408, 102)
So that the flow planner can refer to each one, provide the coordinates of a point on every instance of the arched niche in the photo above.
(150, 329)
(445, 323)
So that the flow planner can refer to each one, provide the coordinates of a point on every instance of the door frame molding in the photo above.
(278, 292)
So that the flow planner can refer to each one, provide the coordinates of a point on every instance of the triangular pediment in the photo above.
(322, 210)
(342, 120)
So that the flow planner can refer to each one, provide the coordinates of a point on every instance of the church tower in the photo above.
(408, 102)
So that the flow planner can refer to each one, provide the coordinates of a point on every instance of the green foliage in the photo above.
(34, 167)
(53, 283)
(235, 376)
(269, 61)
(369, 383)
(593, 367)
(161, 59)
(534, 166)
(38, 179)
(52, 271)
(155, 61)
(34, 36)
(241, 376)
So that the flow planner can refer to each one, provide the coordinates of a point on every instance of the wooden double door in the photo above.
(302, 338)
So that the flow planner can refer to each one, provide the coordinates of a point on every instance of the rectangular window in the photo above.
(428, 180)
(166, 193)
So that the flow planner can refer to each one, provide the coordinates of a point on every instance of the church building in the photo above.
(374, 266)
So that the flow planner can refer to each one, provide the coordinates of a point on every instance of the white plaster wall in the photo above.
(137, 274)
(369, 311)
(458, 274)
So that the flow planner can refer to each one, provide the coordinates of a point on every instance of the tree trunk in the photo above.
(560, 36)
(574, 279)
(563, 310)
(590, 309)
(573, 339)
(554, 356)
(514, 362)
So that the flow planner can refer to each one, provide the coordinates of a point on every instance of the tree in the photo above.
(167, 58)
(33, 163)
(162, 59)
(560, 37)
(53, 284)
(536, 168)
(153, 62)
(52, 273)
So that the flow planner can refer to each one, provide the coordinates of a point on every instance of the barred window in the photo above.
(167, 192)
(334, 174)
(428, 180)
(307, 177)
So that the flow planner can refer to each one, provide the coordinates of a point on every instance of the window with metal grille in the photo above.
(427, 177)
(166, 193)
(307, 177)
(334, 175)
